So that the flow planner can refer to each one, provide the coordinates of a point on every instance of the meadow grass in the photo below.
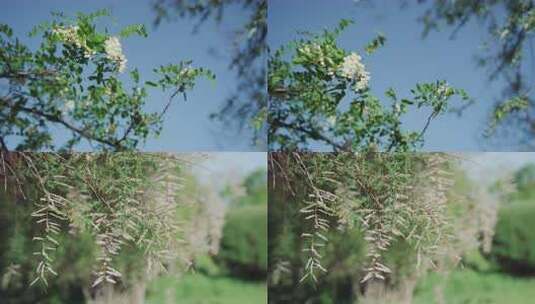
(471, 287)
(202, 289)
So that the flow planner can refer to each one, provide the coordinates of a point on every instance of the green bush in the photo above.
(514, 240)
(244, 245)
(476, 261)
(525, 180)
(73, 259)
(206, 265)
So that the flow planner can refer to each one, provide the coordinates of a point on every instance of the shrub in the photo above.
(205, 264)
(244, 245)
(477, 261)
(128, 200)
(514, 241)
(525, 182)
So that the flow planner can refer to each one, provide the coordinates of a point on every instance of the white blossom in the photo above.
(332, 120)
(443, 89)
(315, 52)
(186, 71)
(327, 123)
(397, 107)
(68, 106)
(352, 68)
(114, 52)
(69, 35)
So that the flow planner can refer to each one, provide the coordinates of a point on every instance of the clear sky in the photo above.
(405, 60)
(187, 127)
(223, 167)
(487, 167)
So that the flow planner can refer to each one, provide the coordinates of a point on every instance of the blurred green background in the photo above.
(505, 274)
(233, 271)
(237, 274)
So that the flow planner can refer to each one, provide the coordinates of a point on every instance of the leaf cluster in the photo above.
(312, 101)
(73, 81)
(125, 201)
(388, 197)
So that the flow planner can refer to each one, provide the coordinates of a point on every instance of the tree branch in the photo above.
(313, 134)
(53, 118)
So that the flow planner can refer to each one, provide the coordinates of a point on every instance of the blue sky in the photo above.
(488, 167)
(220, 168)
(405, 60)
(188, 127)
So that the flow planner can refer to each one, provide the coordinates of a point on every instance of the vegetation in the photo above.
(514, 243)
(320, 93)
(199, 288)
(247, 107)
(237, 272)
(524, 180)
(469, 286)
(244, 244)
(324, 248)
(343, 224)
(73, 81)
(243, 250)
(503, 273)
(505, 53)
(122, 209)
(87, 227)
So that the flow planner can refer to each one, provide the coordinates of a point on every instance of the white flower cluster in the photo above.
(70, 35)
(443, 89)
(352, 68)
(114, 52)
(68, 106)
(187, 71)
(314, 50)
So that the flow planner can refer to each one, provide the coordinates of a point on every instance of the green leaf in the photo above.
(375, 44)
(4, 28)
(138, 29)
(135, 75)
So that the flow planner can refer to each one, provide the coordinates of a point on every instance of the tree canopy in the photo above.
(321, 93)
(76, 80)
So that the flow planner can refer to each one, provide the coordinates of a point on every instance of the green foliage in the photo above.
(206, 265)
(344, 257)
(345, 246)
(123, 206)
(525, 181)
(345, 219)
(243, 248)
(73, 80)
(319, 92)
(247, 106)
(505, 53)
(74, 259)
(477, 262)
(505, 109)
(514, 242)
(255, 185)
(375, 44)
